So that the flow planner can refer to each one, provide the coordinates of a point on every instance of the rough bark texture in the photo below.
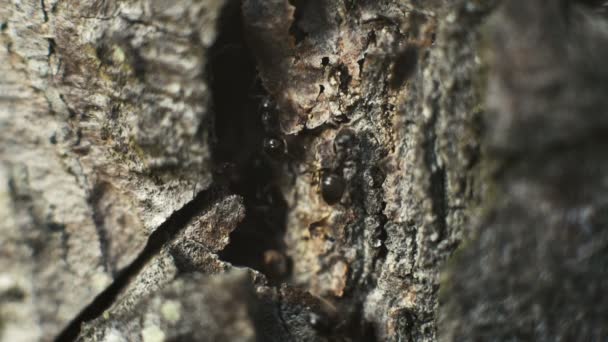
(143, 200)
(535, 270)
(104, 136)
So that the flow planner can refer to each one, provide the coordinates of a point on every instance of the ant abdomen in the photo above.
(332, 187)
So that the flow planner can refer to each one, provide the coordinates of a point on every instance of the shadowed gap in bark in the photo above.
(237, 95)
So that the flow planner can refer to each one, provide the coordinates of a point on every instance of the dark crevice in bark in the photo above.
(405, 66)
(98, 219)
(44, 13)
(298, 33)
(51, 46)
(382, 234)
(161, 236)
(344, 77)
(238, 154)
(438, 195)
(437, 181)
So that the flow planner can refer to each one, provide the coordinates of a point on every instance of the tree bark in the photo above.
(274, 170)
(534, 269)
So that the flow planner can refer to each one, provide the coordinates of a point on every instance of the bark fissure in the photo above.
(44, 12)
(98, 218)
(437, 175)
(159, 238)
(237, 99)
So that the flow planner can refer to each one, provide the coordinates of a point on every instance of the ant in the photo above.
(274, 146)
(333, 183)
(332, 187)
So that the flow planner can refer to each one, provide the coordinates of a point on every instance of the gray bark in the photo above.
(140, 205)
(535, 269)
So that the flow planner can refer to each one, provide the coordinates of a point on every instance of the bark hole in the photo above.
(325, 61)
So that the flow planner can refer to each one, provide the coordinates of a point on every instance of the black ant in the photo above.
(332, 187)
(333, 183)
(273, 146)
(344, 144)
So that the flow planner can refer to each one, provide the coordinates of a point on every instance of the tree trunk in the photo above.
(535, 270)
(274, 170)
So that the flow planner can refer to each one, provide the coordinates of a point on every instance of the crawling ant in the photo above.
(344, 144)
(273, 145)
(253, 170)
(332, 187)
(333, 183)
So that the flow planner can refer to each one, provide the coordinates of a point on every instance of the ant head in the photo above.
(269, 115)
(267, 104)
(274, 147)
(345, 140)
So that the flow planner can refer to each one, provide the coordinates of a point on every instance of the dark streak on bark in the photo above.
(52, 46)
(44, 13)
(94, 200)
(238, 152)
(437, 181)
(298, 34)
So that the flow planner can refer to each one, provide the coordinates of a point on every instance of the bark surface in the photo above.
(164, 168)
(535, 269)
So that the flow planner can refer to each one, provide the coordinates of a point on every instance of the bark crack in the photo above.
(44, 12)
(437, 174)
(238, 152)
(94, 200)
(159, 238)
